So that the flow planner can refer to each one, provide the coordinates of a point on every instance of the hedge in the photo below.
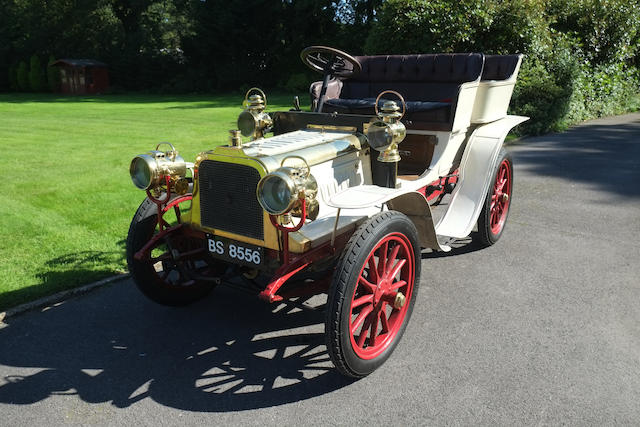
(581, 55)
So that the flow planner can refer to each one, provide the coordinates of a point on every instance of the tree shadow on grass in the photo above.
(228, 352)
(226, 100)
(65, 272)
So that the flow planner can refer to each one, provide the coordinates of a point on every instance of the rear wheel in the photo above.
(372, 294)
(495, 211)
(161, 277)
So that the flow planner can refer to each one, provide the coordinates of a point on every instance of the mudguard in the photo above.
(476, 170)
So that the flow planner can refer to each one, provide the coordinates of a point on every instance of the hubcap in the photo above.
(378, 305)
(501, 197)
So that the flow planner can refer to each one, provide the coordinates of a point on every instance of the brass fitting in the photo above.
(235, 138)
(399, 301)
(253, 121)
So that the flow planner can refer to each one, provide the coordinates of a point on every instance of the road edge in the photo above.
(59, 296)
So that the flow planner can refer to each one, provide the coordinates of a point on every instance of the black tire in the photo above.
(488, 231)
(342, 344)
(151, 284)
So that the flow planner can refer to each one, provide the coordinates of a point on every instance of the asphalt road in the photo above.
(542, 328)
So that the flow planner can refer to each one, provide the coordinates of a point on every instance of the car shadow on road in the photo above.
(458, 247)
(229, 352)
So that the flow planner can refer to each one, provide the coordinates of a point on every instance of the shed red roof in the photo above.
(80, 63)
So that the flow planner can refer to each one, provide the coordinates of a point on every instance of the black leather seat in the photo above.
(416, 110)
(430, 84)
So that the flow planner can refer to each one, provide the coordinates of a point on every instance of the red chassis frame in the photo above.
(291, 263)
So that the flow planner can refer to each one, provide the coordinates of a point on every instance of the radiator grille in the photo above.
(228, 198)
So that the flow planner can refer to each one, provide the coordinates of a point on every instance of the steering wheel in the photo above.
(327, 60)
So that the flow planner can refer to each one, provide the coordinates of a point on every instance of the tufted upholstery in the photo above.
(429, 82)
(417, 77)
(499, 67)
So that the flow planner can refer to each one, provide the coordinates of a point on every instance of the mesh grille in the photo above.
(228, 198)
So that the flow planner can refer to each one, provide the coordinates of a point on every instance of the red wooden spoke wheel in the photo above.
(495, 211)
(500, 197)
(372, 293)
(378, 304)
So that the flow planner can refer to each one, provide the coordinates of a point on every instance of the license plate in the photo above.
(235, 252)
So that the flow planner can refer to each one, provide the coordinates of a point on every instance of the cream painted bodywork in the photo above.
(478, 162)
(493, 97)
(340, 163)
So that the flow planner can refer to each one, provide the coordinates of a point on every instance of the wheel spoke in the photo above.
(382, 259)
(361, 317)
(373, 271)
(374, 331)
(397, 268)
(370, 286)
(363, 332)
(361, 301)
(383, 318)
(397, 285)
(392, 257)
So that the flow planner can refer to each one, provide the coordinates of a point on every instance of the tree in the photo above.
(22, 76)
(36, 75)
(13, 77)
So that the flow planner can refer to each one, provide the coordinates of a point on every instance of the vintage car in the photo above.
(399, 153)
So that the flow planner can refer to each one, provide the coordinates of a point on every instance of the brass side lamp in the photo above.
(387, 131)
(253, 121)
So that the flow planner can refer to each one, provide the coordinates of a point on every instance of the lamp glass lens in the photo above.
(246, 123)
(276, 195)
(140, 174)
(379, 137)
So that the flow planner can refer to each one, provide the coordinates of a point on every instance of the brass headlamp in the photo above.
(253, 121)
(283, 190)
(149, 171)
(387, 131)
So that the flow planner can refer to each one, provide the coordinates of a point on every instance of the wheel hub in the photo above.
(380, 290)
(399, 301)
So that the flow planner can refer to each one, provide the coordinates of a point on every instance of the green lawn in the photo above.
(64, 170)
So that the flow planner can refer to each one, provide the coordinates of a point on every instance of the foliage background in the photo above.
(581, 54)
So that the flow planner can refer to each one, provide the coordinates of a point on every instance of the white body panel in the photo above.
(465, 106)
(476, 170)
(493, 97)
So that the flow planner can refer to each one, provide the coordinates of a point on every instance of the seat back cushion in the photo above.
(428, 77)
(499, 67)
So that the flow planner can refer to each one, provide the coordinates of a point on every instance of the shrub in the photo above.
(541, 97)
(607, 30)
(298, 82)
(420, 26)
(22, 76)
(36, 75)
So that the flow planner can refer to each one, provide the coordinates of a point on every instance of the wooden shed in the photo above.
(82, 76)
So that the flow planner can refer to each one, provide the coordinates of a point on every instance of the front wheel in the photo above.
(495, 211)
(372, 294)
(159, 277)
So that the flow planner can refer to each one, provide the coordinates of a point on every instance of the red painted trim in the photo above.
(286, 271)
